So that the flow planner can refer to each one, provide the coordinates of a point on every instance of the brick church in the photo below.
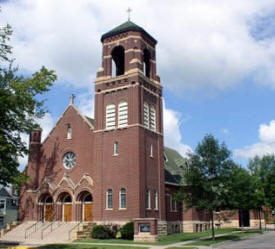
(113, 168)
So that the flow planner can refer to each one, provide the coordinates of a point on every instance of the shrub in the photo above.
(101, 232)
(127, 231)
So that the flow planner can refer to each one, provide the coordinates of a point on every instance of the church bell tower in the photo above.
(128, 134)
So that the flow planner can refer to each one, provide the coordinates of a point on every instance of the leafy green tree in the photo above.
(241, 188)
(207, 178)
(19, 109)
(262, 171)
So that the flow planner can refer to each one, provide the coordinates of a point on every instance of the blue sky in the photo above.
(216, 60)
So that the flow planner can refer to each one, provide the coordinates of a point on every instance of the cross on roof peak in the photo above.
(129, 10)
(72, 97)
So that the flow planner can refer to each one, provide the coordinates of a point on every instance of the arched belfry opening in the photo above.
(118, 61)
(146, 62)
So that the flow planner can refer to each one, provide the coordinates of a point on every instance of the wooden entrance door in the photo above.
(48, 212)
(67, 212)
(88, 211)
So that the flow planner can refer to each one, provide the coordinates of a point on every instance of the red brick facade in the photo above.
(139, 165)
(55, 192)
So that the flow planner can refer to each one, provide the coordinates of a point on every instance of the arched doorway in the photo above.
(66, 203)
(46, 207)
(86, 210)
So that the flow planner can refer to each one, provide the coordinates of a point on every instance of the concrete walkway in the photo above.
(178, 244)
(37, 243)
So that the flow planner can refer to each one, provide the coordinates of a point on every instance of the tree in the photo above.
(19, 109)
(207, 179)
(262, 171)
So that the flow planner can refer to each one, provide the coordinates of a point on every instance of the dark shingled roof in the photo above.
(174, 166)
(91, 121)
(124, 27)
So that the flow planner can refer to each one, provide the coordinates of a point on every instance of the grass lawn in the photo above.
(209, 242)
(76, 246)
(164, 240)
(181, 248)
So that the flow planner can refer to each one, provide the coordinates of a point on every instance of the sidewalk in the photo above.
(178, 244)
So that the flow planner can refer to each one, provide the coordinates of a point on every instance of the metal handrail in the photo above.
(70, 231)
(50, 224)
(28, 228)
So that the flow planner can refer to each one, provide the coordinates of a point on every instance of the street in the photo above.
(265, 241)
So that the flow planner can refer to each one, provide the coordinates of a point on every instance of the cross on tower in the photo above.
(129, 13)
(72, 99)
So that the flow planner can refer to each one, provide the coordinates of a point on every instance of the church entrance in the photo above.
(86, 200)
(46, 208)
(67, 208)
(48, 212)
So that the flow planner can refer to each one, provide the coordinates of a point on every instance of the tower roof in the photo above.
(124, 27)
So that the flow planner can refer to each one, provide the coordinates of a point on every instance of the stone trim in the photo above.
(129, 126)
(117, 41)
(126, 75)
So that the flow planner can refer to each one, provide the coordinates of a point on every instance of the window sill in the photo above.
(148, 209)
(122, 209)
(116, 155)
(109, 209)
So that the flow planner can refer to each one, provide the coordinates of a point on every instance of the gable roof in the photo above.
(88, 120)
(124, 27)
(174, 166)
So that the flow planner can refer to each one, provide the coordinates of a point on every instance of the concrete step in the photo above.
(56, 233)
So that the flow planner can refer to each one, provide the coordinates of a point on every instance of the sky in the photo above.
(216, 60)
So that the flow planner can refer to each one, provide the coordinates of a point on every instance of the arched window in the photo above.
(110, 116)
(148, 199)
(48, 199)
(146, 62)
(122, 198)
(146, 115)
(122, 114)
(69, 131)
(156, 200)
(109, 199)
(116, 152)
(67, 199)
(118, 59)
(152, 118)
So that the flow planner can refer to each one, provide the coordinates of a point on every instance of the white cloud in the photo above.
(172, 134)
(266, 145)
(225, 131)
(202, 44)
(85, 103)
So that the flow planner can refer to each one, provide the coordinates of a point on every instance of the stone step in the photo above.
(56, 233)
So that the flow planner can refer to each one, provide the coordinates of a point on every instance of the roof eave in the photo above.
(109, 34)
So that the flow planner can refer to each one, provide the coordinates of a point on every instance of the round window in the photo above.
(69, 160)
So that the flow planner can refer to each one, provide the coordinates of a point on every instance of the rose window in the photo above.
(69, 160)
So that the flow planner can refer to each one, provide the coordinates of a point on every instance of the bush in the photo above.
(127, 231)
(101, 232)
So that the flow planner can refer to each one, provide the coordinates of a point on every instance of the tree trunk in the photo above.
(213, 228)
(260, 219)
